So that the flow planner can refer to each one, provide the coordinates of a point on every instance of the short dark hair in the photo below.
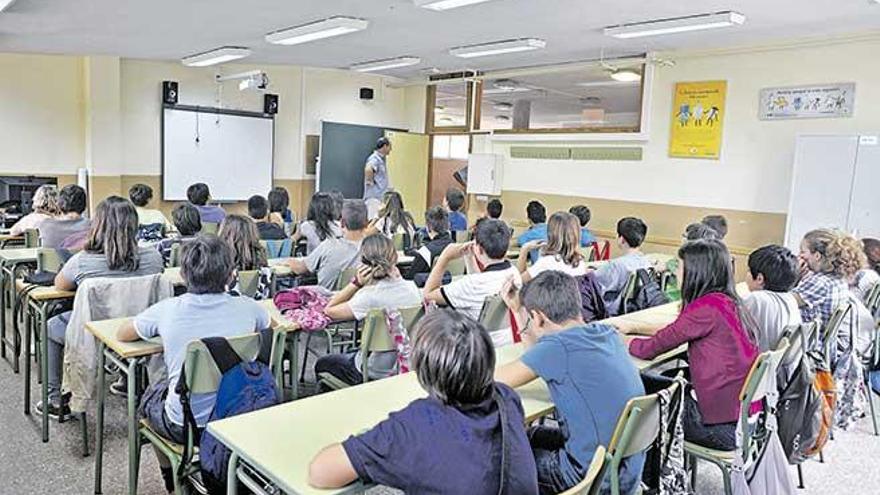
(72, 199)
(354, 214)
(777, 264)
(454, 198)
(633, 230)
(382, 142)
(555, 294)
(140, 194)
(494, 208)
(279, 200)
(453, 358)
(258, 207)
(699, 230)
(437, 219)
(718, 223)
(536, 212)
(206, 264)
(494, 237)
(583, 213)
(186, 219)
(198, 194)
(338, 200)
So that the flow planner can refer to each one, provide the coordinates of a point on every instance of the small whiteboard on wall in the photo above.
(230, 151)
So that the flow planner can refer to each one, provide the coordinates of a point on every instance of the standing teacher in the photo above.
(376, 176)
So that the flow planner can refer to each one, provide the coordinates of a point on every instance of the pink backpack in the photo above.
(304, 306)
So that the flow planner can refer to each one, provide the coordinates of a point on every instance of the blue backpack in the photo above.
(244, 387)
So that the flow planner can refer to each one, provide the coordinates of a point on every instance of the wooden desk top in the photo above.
(6, 236)
(19, 255)
(105, 331)
(44, 293)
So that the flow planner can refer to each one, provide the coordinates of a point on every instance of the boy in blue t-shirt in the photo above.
(537, 230)
(588, 371)
(582, 212)
(453, 202)
(206, 310)
(451, 441)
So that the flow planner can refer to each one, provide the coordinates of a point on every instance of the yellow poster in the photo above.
(697, 119)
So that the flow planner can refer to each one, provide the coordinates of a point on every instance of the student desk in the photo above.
(38, 302)
(7, 240)
(10, 262)
(279, 442)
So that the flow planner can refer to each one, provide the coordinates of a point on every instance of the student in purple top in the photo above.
(721, 343)
(198, 194)
(453, 440)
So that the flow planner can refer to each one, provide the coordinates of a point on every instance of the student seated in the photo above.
(453, 202)
(699, 230)
(258, 209)
(44, 205)
(334, 255)
(583, 215)
(187, 223)
(377, 285)
(717, 223)
(494, 209)
(865, 279)
(612, 276)
(487, 268)
(205, 310)
(111, 250)
(588, 372)
(828, 260)
(279, 209)
(561, 252)
(449, 442)
(198, 194)
(394, 219)
(537, 230)
(69, 222)
(721, 343)
(140, 195)
(773, 272)
(321, 222)
(240, 233)
(437, 223)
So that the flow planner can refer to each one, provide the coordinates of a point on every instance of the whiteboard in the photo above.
(232, 153)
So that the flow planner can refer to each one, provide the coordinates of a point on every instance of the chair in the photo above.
(872, 362)
(759, 383)
(832, 327)
(376, 338)
(249, 283)
(203, 376)
(174, 256)
(601, 252)
(592, 482)
(457, 267)
(49, 260)
(280, 248)
(628, 292)
(210, 228)
(399, 241)
(494, 316)
(636, 430)
(872, 301)
(461, 235)
(31, 238)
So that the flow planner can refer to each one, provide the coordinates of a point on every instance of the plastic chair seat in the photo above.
(709, 454)
(167, 443)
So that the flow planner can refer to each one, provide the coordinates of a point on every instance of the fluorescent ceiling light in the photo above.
(218, 56)
(497, 48)
(502, 91)
(626, 75)
(447, 4)
(327, 28)
(388, 63)
(604, 84)
(676, 25)
(5, 3)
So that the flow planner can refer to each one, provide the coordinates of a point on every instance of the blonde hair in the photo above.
(842, 255)
(45, 200)
(564, 238)
(240, 232)
(378, 253)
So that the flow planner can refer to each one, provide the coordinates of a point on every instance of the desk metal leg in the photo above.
(293, 349)
(44, 368)
(3, 308)
(231, 474)
(28, 328)
(133, 437)
(99, 419)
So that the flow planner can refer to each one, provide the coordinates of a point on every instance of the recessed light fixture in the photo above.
(498, 48)
(327, 28)
(676, 25)
(388, 63)
(445, 4)
(626, 75)
(218, 56)
(501, 91)
(605, 84)
(503, 106)
(5, 3)
(503, 118)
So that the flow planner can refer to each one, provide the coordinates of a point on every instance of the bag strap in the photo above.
(189, 420)
(505, 443)
(223, 354)
(265, 354)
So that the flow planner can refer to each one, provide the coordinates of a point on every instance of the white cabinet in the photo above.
(485, 173)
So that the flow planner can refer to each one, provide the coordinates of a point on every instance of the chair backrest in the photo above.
(31, 238)
(759, 383)
(174, 256)
(345, 277)
(593, 480)
(872, 300)
(494, 315)
(249, 282)
(278, 248)
(210, 227)
(49, 260)
(202, 374)
(461, 235)
(377, 338)
(399, 240)
(832, 327)
(628, 291)
(456, 267)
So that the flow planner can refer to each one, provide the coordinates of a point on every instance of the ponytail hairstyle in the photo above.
(378, 253)
(872, 253)
(564, 238)
(842, 255)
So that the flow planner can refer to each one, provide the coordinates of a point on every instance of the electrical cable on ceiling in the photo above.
(198, 135)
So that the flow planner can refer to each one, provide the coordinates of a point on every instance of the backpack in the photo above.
(592, 304)
(802, 413)
(152, 232)
(824, 383)
(647, 293)
(244, 387)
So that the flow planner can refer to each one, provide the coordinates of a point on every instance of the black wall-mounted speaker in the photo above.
(366, 93)
(169, 92)
(270, 104)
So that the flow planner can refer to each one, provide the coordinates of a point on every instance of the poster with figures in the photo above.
(808, 102)
(697, 119)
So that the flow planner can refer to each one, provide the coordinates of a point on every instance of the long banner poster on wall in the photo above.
(697, 119)
(806, 102)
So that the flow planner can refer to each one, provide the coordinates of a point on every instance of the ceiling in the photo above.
(172, 29)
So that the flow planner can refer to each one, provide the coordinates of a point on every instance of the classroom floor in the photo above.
(28, 466)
